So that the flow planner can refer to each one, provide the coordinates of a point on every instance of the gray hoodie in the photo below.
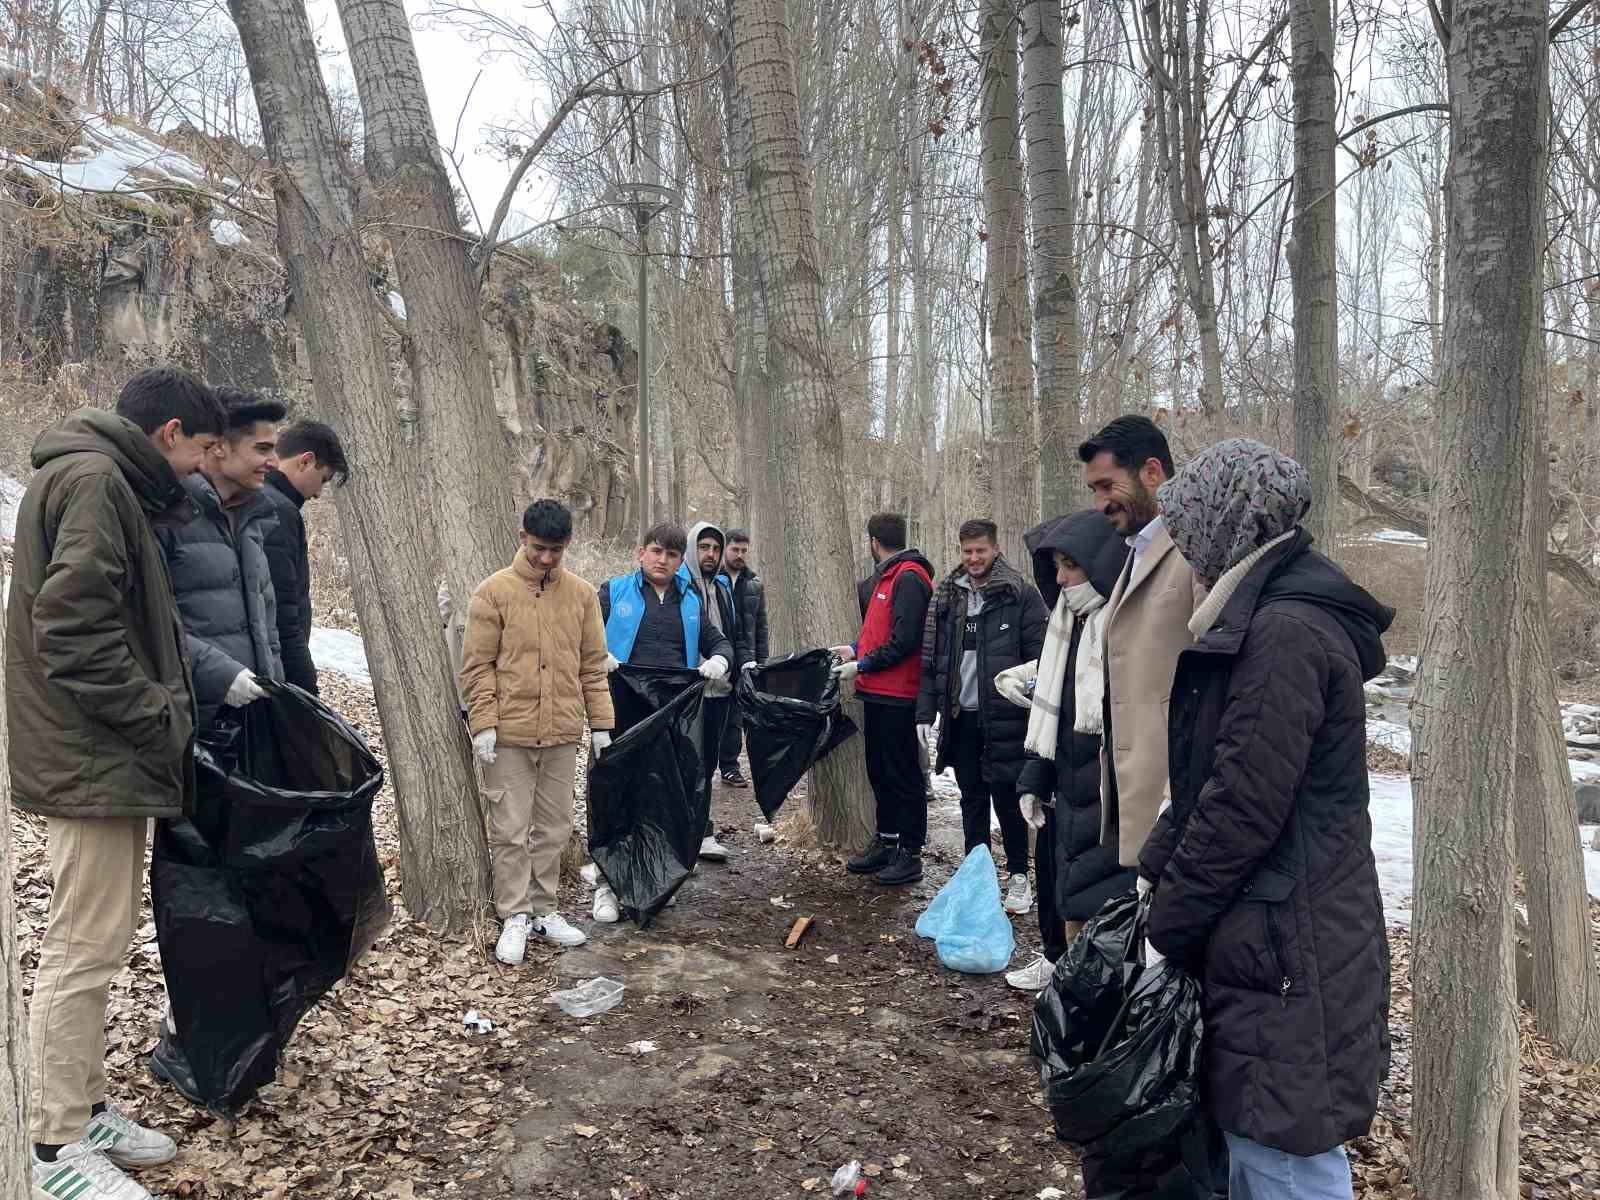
(711, 597)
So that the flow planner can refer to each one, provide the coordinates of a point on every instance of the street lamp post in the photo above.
(645, 201)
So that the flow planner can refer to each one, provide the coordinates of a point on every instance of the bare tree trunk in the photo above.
(818, 599)
(387, 520)
(1466, 715)
(1566, 984)
(1051, 204)
(464, 443)
(1312, 255)
(94, 53)
(14, 1149)
(1011, 457)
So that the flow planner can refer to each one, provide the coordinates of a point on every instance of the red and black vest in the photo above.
(902, 680)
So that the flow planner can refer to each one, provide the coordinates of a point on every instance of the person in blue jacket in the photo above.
(654, 618)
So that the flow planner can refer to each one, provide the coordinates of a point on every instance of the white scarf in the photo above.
(1217, 598)
(1089, 674)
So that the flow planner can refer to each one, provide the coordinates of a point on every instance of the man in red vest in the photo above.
(886, 664)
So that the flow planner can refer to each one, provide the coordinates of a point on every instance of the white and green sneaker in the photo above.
(82, 1173)
(127, 1144)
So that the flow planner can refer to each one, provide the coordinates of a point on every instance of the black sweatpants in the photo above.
(1052, 928)
(965, 755)
(716, 717)
(889, 737)
(732, 739)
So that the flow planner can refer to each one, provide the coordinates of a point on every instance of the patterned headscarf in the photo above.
(1233, 498)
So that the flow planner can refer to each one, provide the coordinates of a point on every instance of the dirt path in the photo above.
(774, 1067)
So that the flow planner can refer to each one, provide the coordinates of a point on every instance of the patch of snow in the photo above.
(112, 158)
(1391, 811)
(1584, 772)
(340, 651)
(397, 305)
(10, 496)
(227, 233)
(1389, 734)
(1396, 537)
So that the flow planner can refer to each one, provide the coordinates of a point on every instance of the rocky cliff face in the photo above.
(128, 249)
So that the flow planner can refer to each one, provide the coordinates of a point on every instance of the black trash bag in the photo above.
(1119, 1051)
(267, 894)
(648, 805)
(792, 721)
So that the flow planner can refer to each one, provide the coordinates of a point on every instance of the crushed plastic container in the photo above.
(847, 1180)
(590, 998)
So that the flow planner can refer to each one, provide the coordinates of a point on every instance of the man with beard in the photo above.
(886, 665)
(1147, 628)
(716, 598)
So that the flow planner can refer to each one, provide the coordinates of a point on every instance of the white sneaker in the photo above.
(127, 1144)
(1034, 977)
(590, 874)
(712, 850)
(82, 1173)
(605, 906)
(513, 944)
(552, 928)
(1019, 896)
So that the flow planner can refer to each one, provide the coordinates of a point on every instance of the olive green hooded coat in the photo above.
(99, 703)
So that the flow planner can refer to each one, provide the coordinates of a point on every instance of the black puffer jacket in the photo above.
(1087, 873)
(1266, 880)
(223, 586)
(290, 560)
(1010, 631)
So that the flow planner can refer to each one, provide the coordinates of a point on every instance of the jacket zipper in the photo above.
(1285, 982)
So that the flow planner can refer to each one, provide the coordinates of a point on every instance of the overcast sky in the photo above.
(450, 65)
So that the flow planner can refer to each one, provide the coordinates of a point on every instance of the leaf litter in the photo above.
(925, 1075)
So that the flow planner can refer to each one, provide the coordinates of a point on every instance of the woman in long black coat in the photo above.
(1265, 883)
(1076, 562)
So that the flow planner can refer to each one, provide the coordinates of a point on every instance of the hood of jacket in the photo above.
(95, 431)
(697, 531)
(277, 479)
(1295, 572)
(1088, 539)
(909, 554)
(203, 493)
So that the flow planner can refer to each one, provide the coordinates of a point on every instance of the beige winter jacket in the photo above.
(1147, 629)
(533, 661)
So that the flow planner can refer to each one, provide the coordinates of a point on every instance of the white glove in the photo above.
(846, 671)
(925, 733)
(842, 653)
(483, 746)
(599, 739)
(750, 666)
(243, 690)
(1152, 956)
(611, 663)
(1032, 810)
(714, 668)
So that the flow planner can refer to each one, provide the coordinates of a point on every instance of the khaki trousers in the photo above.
(97, 865)
(530, 819)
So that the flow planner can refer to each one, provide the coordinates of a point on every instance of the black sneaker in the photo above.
(878, 855)
(168, 1064)
(734, 778)
(906, 868)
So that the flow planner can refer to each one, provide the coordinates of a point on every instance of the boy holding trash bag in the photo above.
(653, 618)
(533, 668)
(95, 672)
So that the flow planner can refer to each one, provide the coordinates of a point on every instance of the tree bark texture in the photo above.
(464, 443)
(1011, 457)
(1566, 984)
(14, 1150)
(1465, 719)
(384, 510)
(1313, 261)
(818, 599)
(1052, 202)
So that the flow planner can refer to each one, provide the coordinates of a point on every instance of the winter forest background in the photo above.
(917, 251)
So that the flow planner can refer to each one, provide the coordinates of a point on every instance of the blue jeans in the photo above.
(1257, 1172)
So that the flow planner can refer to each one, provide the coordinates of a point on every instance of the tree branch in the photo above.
(1563, 566)
(1559, 25)
(715, 474)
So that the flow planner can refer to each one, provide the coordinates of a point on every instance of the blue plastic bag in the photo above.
(966, 923)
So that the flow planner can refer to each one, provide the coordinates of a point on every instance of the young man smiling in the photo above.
(533, 670)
